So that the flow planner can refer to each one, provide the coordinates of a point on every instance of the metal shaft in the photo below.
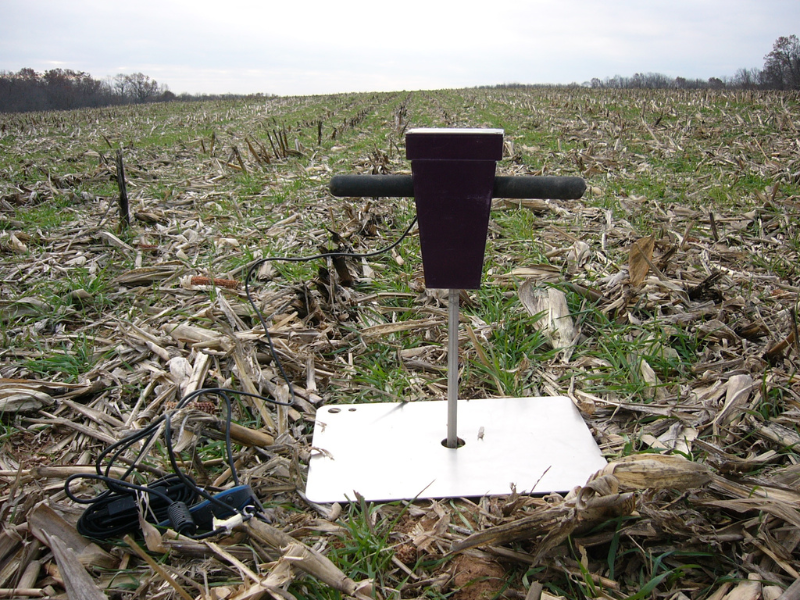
(452, 368)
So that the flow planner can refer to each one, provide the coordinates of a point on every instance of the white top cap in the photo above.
(441, 130)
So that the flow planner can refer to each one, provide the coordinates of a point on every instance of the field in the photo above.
(679, 268)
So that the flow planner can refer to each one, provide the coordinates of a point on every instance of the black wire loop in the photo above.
(112, 512)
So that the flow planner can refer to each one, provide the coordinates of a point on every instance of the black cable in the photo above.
(115, 514)
(115, 510)
(174, 463)
(107, 480)
(260, 315)
(228, 444)
(149, 431)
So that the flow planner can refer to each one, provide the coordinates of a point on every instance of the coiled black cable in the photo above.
(114, 511)
(115, 514)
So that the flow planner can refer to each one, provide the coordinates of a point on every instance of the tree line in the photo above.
(64, 89)
(781, 71)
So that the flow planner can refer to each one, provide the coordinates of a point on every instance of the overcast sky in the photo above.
(291, 47)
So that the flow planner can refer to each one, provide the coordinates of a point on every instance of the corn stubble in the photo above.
(663, 303)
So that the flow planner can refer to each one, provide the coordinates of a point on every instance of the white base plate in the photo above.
(393, 451)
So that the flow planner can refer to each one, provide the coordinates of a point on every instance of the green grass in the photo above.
(505, 364)
(48, 215)
(67, 363)
(364, 551)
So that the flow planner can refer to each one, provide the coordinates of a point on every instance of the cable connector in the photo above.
(229, 523)
(181, 518)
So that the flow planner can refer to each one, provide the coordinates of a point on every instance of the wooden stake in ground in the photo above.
(123, 192)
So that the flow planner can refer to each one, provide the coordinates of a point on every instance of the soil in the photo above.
(477, 578)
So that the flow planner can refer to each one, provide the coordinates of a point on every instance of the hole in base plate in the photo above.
(459, 443)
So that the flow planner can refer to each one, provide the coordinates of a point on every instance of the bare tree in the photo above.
(121, 85)
(782, 65)
(138, 88)
(142, 88)
(747, 79)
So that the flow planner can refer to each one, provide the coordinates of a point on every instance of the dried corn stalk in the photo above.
(555, 322)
